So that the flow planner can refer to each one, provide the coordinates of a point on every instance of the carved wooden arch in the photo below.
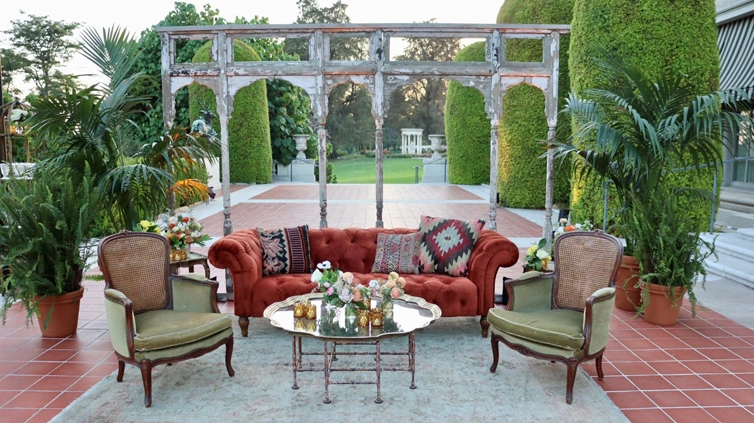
(318, 74)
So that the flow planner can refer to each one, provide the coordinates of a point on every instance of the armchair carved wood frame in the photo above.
(153, 317)
(564, 316)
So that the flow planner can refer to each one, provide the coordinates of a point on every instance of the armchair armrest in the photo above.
(120, 322)
(597, 314)
(531, 291)
(491, 252)
(194, 293)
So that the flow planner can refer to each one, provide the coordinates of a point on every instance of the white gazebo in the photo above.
(411, 140)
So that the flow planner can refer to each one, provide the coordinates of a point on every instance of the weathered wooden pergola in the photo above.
(380, 75)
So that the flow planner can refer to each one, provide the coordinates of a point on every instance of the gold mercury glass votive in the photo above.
(367, 302)
(376, 317)
(311, 311)
(364, 317)
(299, 310)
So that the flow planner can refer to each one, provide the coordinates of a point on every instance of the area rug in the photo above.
(452, 375)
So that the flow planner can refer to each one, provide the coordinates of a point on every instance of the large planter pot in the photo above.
(627, 297)
(663, 310)
(65, 314)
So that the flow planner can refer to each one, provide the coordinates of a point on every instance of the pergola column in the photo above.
(551, 44)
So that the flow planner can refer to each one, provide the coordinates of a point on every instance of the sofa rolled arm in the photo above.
(120, 322)
(491, 252)
(192, 292)
(240, 251)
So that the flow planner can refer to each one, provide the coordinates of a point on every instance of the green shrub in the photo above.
(467, 128)
(249, 126)
(658, 37)
(523, 125)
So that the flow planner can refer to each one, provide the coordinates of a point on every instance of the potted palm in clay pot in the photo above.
(47, 221)
(634, 135)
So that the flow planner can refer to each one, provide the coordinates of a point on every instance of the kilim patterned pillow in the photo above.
(397, 253)
(286, 250)
(446, 245)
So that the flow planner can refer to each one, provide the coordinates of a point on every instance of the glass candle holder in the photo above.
(364, 317)
(311, 311)
(367, 302)
(375, 316)
(299, 310)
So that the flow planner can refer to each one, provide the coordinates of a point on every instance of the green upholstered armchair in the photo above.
(564, 316)
(154, 317)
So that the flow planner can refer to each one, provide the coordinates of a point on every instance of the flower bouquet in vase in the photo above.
(390, 289)
(339, 290)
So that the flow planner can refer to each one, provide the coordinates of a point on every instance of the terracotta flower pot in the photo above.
(65, 314)
(663, 310)
(627, 297)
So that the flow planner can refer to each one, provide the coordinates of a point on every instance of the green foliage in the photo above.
(289, 109)
(346, 48)
(350, 124)
(13, 63)
(362, 170)
(633, 135)
(467, 129)
(46, 222)
(523, 125)
(332, 178)
(662, 38)
(248, 129)
(44, 45)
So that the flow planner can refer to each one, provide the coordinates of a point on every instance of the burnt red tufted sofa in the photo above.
(353, 250)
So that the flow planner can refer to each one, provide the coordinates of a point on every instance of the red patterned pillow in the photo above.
(397, 253)
(286, 250)
(446, 245)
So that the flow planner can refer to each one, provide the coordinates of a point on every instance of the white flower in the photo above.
(345, 295)
(316, 275)
(324, 265)
(542, 254)
(374, 284)
(172, 219)
(196, 234)
(578, 226)
(563, 220)
(560, 230)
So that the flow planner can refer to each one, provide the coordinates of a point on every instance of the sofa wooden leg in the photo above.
(485, 325)
(243, 321)
(121, 369)
(229, 355)
(146, 378)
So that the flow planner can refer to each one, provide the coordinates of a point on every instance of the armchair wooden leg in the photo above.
(573, 365)
(121, 369)
(598, 361)
(485, 325)
(243, 321)
(228, 355)
(495, 341)
(146, 377)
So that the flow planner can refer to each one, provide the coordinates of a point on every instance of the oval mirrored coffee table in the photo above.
(409, 315)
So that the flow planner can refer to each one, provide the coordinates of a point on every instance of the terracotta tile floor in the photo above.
(700, 370)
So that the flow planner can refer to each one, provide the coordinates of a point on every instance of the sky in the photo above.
(137, 15)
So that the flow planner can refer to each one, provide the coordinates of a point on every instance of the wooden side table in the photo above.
(191, 260)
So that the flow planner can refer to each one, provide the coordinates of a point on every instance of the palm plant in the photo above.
(85, 130)
(633, 135)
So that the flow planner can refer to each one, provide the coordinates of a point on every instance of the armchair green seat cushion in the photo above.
(154, 317)
(160, 329)
(564, 316)
(559, 328)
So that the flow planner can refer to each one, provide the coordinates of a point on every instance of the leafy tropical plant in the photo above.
(634, 134)
(47, 222)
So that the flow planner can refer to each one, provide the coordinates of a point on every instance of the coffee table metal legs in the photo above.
(379, 371)
(296, 360)
(328, 363)
(412, 358)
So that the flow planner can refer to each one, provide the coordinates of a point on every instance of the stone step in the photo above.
(731, 268)
(733, 244)
(734, 219)
(735, 256)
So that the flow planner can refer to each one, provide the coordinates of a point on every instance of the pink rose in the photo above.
(402, 281)
(329, 291)
(390, 283)
(348, 277)
(357, 296)
(395, 292)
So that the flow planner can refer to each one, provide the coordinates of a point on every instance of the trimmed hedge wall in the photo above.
(467, 128)
(249, 126)
(523, 125)
(658, 36)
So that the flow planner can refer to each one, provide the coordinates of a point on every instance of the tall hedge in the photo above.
(658, 36)
(467, 128)
(523, 125)
(249, 126)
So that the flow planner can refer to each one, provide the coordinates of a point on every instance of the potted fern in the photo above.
(47, 222)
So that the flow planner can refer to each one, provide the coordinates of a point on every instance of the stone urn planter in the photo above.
(627, 295)
(662, 309)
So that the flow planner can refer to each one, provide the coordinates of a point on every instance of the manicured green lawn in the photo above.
(361, 171)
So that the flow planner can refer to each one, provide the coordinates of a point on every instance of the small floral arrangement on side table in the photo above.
(180, 230)
(338, 288)
(537, 257)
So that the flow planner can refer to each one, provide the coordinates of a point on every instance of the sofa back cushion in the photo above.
(351, 249)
